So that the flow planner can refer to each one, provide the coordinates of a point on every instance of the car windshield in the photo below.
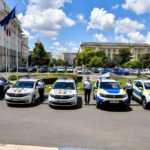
(109, 85)
(24, 84)
(64, 85)
(147, 85)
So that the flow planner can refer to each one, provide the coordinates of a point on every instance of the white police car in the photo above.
(141, 92)
(109, 92)
(25, 91)
(64, 93)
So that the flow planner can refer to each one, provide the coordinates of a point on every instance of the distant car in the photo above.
(109, 92)
(61, 69)
(22, 69)
(4, 86)
(121, 71)
(25, 91)
(95, 70)
(32, 69)
(106, 70)
(52, 69)
(69, 69)
(141, 92)
(64, 93)
(43, 69)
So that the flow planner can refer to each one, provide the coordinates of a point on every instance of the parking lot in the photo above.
(112, 128)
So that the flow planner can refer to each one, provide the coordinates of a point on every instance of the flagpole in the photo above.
(17, 50)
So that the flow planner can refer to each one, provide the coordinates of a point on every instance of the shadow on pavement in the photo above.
(116, 108)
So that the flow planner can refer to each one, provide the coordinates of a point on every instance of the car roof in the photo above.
(65, 80)
(32, 80)
(108, 80)
(143, 80)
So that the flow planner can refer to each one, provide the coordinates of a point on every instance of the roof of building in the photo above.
(113, 44)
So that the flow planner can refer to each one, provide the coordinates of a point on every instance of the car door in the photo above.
(137, 90)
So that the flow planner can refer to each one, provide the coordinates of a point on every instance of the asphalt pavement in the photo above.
(114, 128)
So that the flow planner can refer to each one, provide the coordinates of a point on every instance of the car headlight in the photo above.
(102, 95)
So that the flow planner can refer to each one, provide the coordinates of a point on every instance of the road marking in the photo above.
(23, 147)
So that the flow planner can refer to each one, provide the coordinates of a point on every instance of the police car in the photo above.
(109, 92)
(64, 93)
(25, 91)
(141, 92)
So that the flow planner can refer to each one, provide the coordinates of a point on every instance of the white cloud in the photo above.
(28, 34)
(137, 6)
(115, 6)
(80, 18)
(121, 39)
(148, 38)
(136, 37)
(101, 19)
(100, 38)
(45, 17)
(127, 25)
(56, 43)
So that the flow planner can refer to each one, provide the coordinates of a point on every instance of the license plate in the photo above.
(114, 102)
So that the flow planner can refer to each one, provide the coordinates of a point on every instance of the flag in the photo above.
(8, 18)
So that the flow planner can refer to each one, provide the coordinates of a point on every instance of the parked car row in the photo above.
(64, 92)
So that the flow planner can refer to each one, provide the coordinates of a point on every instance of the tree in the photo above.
(132, 64)
(145, 60)
(40, 56)
(124, 55)
(90, 58)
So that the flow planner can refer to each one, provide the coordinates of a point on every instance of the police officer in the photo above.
(129, 89)
(87, 90)
(41, 86)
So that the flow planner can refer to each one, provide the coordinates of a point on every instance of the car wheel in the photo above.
(33, 101)
(98, 105)
(9, 105)
(144, 103)
(79, 102)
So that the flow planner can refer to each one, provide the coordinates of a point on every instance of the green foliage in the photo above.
(145, 60)
(123, 57)
(12, 77)
(90, 58)
(39, 56)
(132, 64)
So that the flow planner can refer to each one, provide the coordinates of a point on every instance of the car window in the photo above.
(64, 85)
(147, 85)
(109, 85)
(24, 84)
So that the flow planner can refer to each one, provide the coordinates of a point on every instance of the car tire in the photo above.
(33, 101)
(98, 105)
(9, 105)
(79, 102)
(144, 103)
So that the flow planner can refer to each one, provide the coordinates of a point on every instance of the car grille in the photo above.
(114, 96)
(15, 95)
(63, 104)
(62, 96)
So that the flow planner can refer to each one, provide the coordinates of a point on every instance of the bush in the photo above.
(51, 80)
(12, 77)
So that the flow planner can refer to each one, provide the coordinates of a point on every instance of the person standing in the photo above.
(87, 90)
(41, 86)
(129, 89)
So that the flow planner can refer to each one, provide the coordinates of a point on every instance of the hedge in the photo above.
(51, 80)
(12, 77)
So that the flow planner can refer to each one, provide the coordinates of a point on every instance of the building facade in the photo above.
(10, 40)
(112, 49)
(24, 47)
(69, 58)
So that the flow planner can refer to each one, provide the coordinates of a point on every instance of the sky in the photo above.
(61, 25)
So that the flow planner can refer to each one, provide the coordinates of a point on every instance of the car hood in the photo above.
(112, 91)
(20, 90)
(63, 92)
